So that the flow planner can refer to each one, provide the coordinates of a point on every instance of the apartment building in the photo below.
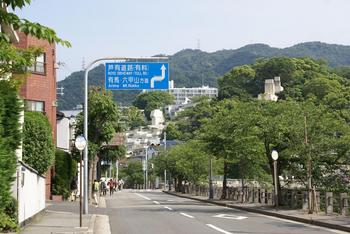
(39, 88)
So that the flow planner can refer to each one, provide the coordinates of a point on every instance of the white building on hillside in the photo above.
(181, 94)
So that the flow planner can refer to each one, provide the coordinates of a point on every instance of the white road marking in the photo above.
(304, 224)
(144, 197)
(166, 207)
(290, 221)
(230, 216)
(218, 229)
(187, 215)
(156, 202)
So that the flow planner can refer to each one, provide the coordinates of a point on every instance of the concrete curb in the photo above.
(92, 224)
(102, 225)
(268, 213)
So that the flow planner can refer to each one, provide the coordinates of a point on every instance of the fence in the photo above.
(329, 202)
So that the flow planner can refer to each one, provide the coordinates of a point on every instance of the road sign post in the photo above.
(157, 79)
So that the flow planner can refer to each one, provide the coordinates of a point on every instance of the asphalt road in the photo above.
(147, 212)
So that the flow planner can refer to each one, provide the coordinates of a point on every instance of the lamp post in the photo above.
(274, 156)
(80, 144)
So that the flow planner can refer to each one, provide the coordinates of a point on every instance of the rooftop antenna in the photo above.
(83, 64)
(198, 44)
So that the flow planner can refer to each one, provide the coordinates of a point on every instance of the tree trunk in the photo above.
(224, 182)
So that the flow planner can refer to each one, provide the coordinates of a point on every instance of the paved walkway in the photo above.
(321, 219)
(63, 218)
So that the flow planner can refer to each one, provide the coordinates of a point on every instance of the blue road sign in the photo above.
(137, 75)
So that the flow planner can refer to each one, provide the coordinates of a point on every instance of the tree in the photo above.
(187, 162)
(132, 173)
(10, 136)
(133, 117)
(152, 100)
(189, 121)
(231, 135)
(38, 146)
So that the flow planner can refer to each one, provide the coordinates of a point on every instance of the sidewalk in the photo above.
(63, 218)
(334, 222)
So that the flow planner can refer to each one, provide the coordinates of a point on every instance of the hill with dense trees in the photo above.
(191, 68)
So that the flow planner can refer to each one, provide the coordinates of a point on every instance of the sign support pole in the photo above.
(86, 151)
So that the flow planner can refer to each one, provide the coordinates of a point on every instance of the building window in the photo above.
(35, 106)
(39, 65)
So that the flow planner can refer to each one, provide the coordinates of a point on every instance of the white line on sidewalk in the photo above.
(156, 202)
(218, 229)
(187, 215)
(166, 207)
(144, 197)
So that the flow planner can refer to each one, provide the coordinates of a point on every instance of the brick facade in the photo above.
(42, 86)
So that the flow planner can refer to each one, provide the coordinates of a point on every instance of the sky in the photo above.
(142, 28)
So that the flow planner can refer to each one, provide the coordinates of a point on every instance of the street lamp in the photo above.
(80, 144)
(274, 156)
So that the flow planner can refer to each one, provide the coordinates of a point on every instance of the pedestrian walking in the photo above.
(111, 187)
(96, 189)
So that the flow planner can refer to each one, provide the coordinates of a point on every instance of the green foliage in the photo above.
(189, 121)
(38, 146)
(132, 173)
(133, 117)
(23, 25)
(152, 100)
(7, 223)
(188, 161)
(112, 154)
(65, 173)
(9, 140)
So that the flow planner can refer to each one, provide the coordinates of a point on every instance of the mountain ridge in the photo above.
(193, 67)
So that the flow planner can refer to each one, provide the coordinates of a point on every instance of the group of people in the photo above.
(101, 187)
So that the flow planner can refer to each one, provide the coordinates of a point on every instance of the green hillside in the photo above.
(191, 68)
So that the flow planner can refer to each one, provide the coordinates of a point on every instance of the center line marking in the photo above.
(166, 207)
(156, 202)
(144, 197)
(187, 215)
(218, 229)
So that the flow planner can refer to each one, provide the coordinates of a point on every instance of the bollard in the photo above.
(256, 195)
(262, 196)
(344, 205)
(294, 203)
(269, 198)
(329, 203)
(251, 195)
(305, 200)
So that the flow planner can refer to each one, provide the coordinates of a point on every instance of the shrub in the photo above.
(9, 140)
(65, 173)
(7, 224)
(38, 146)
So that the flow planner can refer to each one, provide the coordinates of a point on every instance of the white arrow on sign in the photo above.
(158, 78)
(229, 216)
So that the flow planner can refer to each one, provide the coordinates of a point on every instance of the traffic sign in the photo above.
(137, 75)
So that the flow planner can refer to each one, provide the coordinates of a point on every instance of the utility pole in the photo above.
(211, 190)
(165, 182)
(309, 171)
